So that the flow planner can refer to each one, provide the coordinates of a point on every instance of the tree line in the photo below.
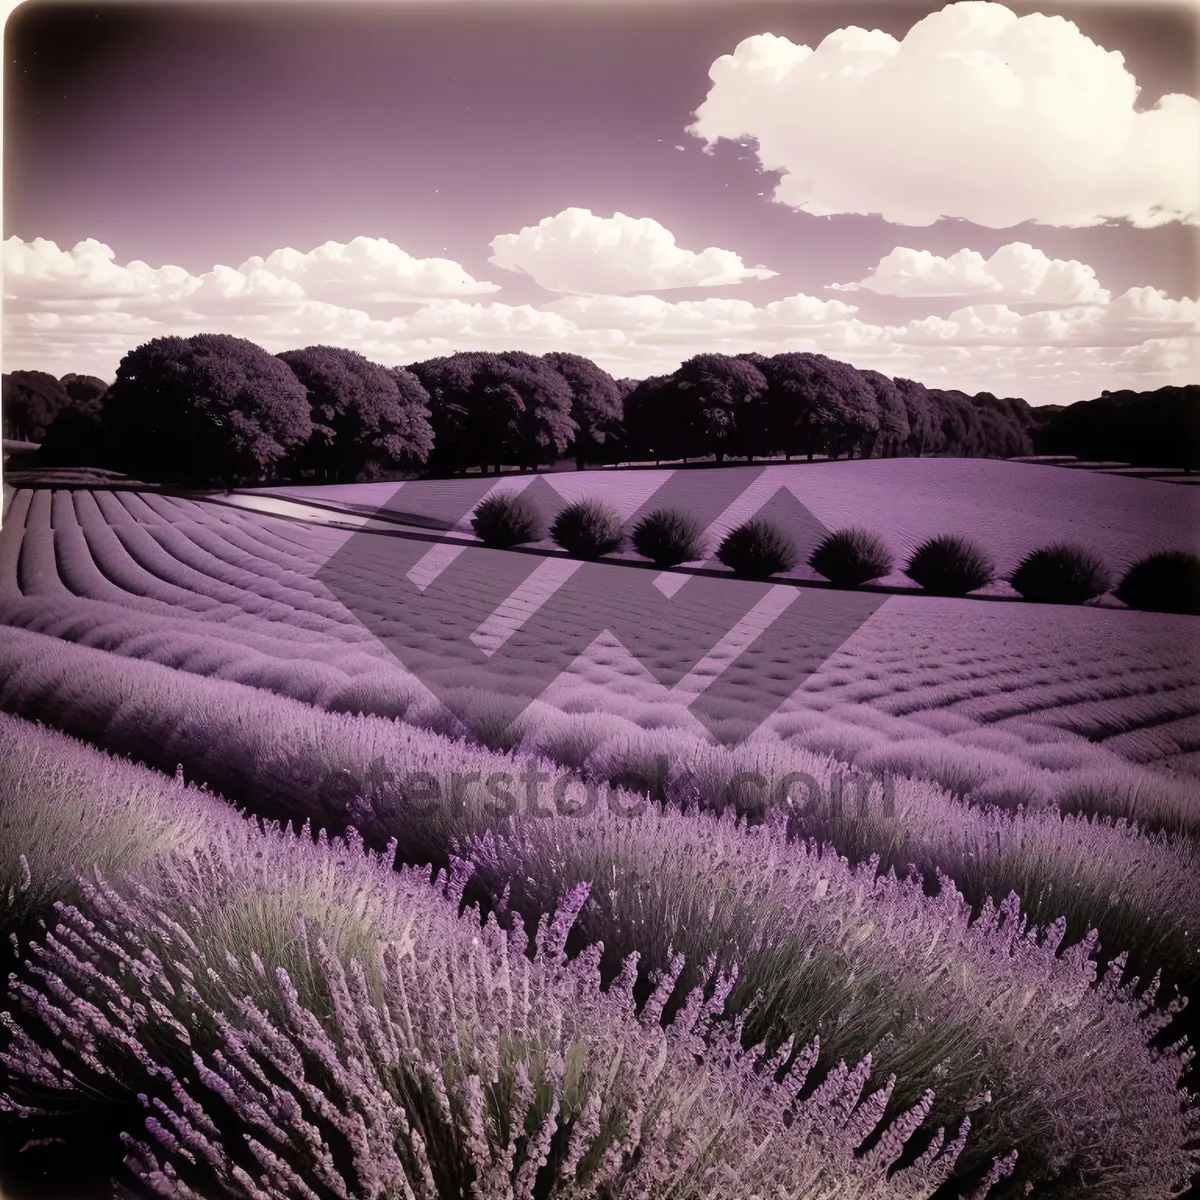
(214, 408)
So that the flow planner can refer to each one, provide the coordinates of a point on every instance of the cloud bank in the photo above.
(1015, 274)
(975, 114)
(578, 252)
(80, 311)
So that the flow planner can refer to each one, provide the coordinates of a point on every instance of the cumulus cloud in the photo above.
(80, 311)
(38, 274)
(976, 114)
(1015, 274)
(1136, 316)
(367, 269)
(578, 252)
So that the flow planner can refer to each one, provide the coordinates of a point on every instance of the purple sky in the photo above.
(207, 134)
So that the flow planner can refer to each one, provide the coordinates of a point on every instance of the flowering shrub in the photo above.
(1061, 574)
(588, 529)
(824, 948)
(507, 519)
(451, 1062)
(950, 566)
(757, 549)
(852, 556)
(1167, 582)
(668, 537)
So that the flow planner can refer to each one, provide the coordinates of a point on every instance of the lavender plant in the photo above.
(950, 565)
(850, 557)
(460, 1064)
(1061, 574)
(867, 962)
(588, 528)
(507, 519)
(668, 537)
(757, 549)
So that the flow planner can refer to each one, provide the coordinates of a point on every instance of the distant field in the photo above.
(1011, 508)
(1020, 703)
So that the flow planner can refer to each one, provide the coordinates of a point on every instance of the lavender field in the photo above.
(668, 883)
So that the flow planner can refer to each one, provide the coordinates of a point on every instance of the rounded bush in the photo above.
(1061, 574)
(668, 537)
(950, 566)
(757, 550)
(849, 557)
(588, 529)
(1165, 582)
(507, 519)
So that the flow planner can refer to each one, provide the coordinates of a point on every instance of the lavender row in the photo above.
(297, 1019)
(401, 782)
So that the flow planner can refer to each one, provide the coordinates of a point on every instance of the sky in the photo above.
(990, 197)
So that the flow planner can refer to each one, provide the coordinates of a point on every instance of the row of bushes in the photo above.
(949, 565)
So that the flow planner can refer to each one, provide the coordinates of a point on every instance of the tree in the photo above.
(654, 423)
(817, 403)
(893, 427)
(30, 400)
(204, 409)
(86, 392)
(363, 425)
(1003, 426)
(595, 405)
(921, 423)
(722, 398)
(1152, 429)
(489, 409)
(73, 439)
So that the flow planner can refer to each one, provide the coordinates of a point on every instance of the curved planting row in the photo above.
(869, 964)
(388, 1042)
(269, 565)
(949, 565)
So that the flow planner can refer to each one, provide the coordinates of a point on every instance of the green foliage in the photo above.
(1061, 574)
(507, 519)
(588, 529)
(1166, 582)
(950, 566)
(668, 537)
(852, 556)
(757, 550)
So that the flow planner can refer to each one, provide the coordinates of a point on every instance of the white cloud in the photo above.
(39, 275)
(1015, 274)
(976, 114)
(1134, 317)
(95, 313)
(579, 252)
(368, 269)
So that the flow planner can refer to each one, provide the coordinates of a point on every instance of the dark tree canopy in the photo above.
(922, 423)
(86, 392)
(1148, 429)
(722, 401)
(74, 439)
(816, 403)
(893, 426)
(490, 409)
(363, 425)
(656, 425)
(30, 401)
(596, 405)
(204, 409)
